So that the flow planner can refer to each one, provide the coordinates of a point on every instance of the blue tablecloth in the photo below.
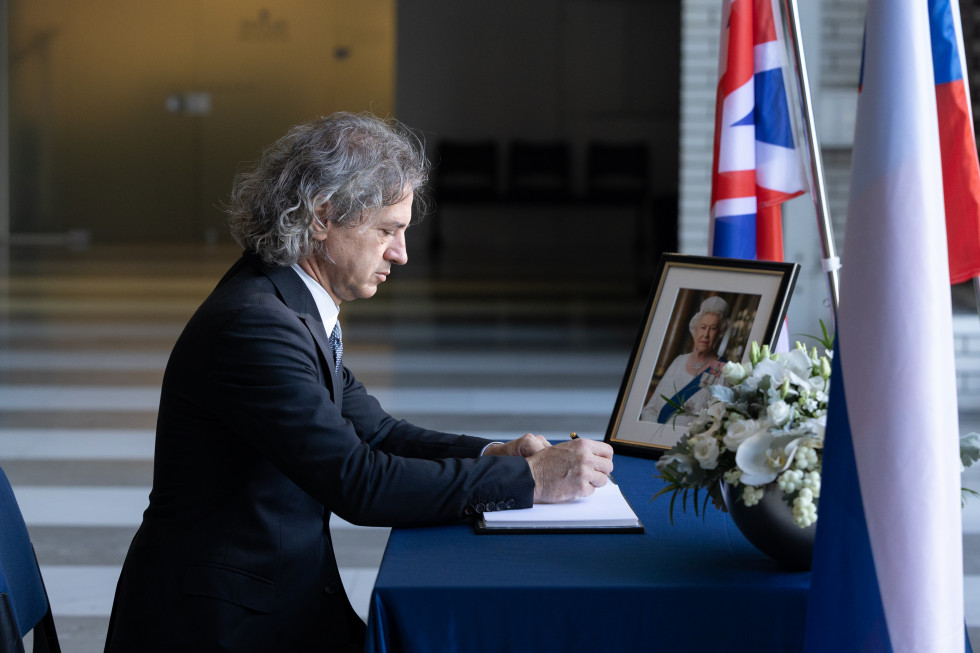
(695, 586)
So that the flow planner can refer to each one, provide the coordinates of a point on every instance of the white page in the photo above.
(605, 507)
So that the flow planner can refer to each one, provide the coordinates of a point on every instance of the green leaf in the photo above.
(826, 339)
(965, 491)
(969, 448)
(665, 490)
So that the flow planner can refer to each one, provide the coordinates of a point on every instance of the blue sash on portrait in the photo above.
(683, 395)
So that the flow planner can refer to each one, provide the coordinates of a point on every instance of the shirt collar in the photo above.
(329, 312)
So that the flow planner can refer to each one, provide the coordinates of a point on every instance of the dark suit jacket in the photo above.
(257, 444)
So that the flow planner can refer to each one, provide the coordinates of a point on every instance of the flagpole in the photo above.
(831, 263)
(976, 292)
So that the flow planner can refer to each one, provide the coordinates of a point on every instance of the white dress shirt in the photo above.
(329, 312)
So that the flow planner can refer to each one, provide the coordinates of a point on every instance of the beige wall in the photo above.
(93, 143)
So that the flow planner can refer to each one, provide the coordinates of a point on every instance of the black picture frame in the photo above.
(756, 294)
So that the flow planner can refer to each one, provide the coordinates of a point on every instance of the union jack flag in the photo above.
(756, 163)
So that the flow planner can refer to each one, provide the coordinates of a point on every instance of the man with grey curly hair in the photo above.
(263, 432)
(337, 170)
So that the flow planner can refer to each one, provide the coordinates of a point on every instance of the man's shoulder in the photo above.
(252, 280)
(246, 290)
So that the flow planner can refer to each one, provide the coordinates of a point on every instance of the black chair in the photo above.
(466, 171)
(24, 603)
(618, 172)
(539, 170)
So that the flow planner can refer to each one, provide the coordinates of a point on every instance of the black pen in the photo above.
(574, 436)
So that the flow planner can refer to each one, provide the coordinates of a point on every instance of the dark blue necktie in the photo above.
(337, 346)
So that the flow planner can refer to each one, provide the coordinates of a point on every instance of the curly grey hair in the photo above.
(716, 305)
(346, 163)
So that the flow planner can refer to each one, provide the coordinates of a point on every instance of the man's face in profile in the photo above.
(354, 260)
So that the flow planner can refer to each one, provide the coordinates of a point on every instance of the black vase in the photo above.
(769, 526)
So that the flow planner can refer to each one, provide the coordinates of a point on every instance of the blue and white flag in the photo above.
(887, 568)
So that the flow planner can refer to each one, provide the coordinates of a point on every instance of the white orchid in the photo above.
(764, 456)
(817, 383)
(798, 362)
(770, 368)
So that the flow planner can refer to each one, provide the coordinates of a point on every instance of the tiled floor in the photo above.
(84, 337)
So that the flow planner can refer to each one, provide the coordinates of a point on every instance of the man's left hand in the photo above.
(524, 446)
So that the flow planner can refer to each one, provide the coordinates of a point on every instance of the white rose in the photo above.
(734, 372)
(705, 449)
(739, 431)
(779, 412)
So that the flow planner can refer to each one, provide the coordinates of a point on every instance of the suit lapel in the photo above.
(298, 299)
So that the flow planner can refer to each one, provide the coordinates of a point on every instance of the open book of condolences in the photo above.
(604, 511)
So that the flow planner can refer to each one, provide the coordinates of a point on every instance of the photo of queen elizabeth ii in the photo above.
(714, 334)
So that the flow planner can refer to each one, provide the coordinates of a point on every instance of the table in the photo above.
(695, 586)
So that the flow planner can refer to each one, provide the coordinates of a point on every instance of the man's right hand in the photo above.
(570, 470)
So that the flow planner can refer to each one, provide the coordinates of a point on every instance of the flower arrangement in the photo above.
(765, 427)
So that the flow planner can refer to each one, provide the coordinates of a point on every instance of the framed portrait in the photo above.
(703, 311)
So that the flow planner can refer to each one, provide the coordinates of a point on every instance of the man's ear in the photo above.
(321, 223)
